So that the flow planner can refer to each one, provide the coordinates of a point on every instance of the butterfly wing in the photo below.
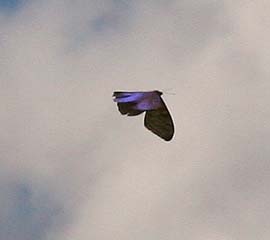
(127, 101)
(160, 122)
(128, 108)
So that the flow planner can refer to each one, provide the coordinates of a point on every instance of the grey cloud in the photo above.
(72, 168)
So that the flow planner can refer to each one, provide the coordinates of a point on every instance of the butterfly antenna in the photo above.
(167, 91)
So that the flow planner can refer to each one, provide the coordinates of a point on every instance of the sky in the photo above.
(73, 168)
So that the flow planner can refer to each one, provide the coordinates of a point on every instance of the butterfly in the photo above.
(157, 117)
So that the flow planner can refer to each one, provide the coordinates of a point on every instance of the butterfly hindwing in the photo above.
(126, 102)
(128, 108)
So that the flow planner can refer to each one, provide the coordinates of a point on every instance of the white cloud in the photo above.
(99, 175)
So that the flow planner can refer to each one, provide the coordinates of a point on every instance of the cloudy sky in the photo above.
(73, 168)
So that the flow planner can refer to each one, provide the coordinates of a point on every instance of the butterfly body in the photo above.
(157, 118)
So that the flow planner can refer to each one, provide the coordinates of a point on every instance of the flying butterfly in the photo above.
(157, 117)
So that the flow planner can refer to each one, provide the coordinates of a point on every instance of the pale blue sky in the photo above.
(11, 5)
(73, 168)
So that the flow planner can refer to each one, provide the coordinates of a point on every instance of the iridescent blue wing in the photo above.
(157, 118)
(127, 102)
(160, 122)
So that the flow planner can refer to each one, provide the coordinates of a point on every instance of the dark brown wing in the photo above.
(128, 108)
(126, 103)
(160, 122)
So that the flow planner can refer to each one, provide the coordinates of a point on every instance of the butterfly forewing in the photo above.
(159, 121)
